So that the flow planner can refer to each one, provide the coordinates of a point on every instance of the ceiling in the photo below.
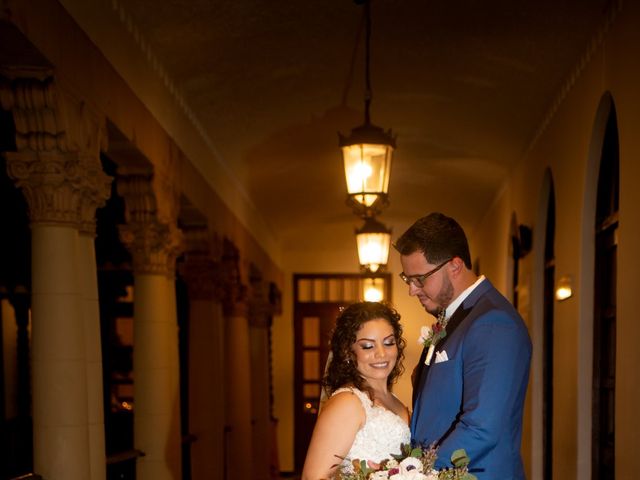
(464, 85)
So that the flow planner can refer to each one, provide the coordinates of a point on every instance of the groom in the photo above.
(471, 381)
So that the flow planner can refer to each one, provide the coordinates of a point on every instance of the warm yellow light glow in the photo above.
(373, 294)
(564, 289)
(366, 168)
(359, 173)
(373, 289)
(373, 249)
(562, 293)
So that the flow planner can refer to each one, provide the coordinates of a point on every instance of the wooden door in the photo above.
(317, 302)
(313, 325)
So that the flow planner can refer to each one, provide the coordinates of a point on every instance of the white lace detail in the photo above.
(381, 435)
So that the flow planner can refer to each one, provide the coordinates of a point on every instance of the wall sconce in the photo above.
(564, 289)
(373, 240)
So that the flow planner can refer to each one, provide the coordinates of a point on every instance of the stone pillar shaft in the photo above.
(259, 343)
(91, 315)
(60, 426)
(259, 324)
(206, 387)
(156, 378)
(57, 167)
(154, 245)
(201, 271)
(238, 395)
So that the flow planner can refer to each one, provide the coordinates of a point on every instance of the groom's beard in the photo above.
(443, 298)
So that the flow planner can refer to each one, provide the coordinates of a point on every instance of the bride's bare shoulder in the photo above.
(343, 402)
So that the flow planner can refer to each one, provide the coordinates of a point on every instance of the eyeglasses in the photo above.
(418, 280)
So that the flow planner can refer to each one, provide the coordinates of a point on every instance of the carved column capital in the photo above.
(154, 243)
(235, 301)
(48, 117)
(58, 142)
(154, 246)
(203, 277)
(201, 268)
(260, 310)
(59, 187)
(95, 192)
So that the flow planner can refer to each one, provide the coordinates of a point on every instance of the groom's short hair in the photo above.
(438, 237)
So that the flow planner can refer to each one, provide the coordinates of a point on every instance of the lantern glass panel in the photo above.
(366, 169)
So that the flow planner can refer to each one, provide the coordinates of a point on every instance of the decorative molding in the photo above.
(156, 66)
(58, 187)
(95, 193)
(154, 246)
(199, 147)
(614, 8)
(48, 118)
(201, 267)
(275, 298)
(58, 141)
(235, 301)
(201, 240)
(154, 243)
(260, 310)
(203, 276)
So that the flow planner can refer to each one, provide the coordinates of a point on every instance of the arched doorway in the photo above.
(595, 426)
(542, 331)
(547, 335)
(604, 306)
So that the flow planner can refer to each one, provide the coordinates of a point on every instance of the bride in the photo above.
(362, 419)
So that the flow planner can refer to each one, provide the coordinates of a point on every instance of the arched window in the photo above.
(542, 327)
(604, 313)
(547, 337)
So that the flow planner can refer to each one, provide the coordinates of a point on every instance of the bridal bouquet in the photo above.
(414, 463)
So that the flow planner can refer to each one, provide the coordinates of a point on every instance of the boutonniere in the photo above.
(430, 336)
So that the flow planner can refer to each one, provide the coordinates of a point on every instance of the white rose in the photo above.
(410, 464)
(425, 331)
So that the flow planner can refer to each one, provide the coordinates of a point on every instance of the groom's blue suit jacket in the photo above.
(475, 399)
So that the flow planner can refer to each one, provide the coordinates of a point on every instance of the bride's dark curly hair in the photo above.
(343, 369)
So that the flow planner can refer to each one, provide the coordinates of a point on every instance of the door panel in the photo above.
(317, 302)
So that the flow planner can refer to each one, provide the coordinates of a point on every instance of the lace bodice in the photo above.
(381, 434)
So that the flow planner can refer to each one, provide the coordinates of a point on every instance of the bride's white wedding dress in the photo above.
(381, 435)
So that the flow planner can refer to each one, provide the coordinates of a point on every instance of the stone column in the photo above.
(57, 167)
(239, 435)
(201, 270)
(88, 276)
(260, 313)
(154, 244)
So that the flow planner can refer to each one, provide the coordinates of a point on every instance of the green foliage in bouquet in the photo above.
(412, 462)
(460, 461)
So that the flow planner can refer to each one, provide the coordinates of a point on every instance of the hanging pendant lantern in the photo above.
(368, 151)
(373, 240)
